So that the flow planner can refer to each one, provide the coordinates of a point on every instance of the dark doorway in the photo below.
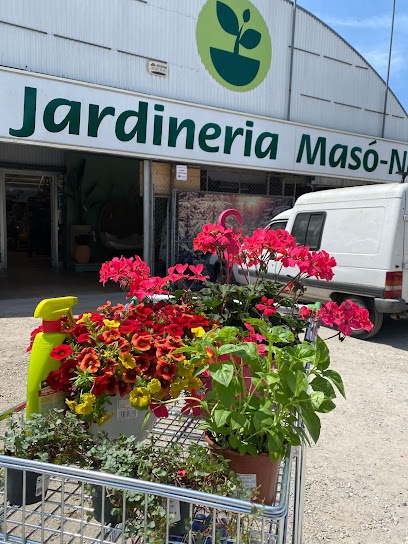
(28, 216)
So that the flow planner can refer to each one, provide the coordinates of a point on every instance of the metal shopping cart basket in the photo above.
(64, 513)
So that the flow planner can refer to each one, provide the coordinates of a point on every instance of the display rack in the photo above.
(64, 513)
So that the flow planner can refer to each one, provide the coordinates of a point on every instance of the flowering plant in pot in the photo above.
(129, 351)
(264, 376)
(180, 465)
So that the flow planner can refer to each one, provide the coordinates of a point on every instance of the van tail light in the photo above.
(393, 285)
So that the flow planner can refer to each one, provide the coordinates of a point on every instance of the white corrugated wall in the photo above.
(332, 85)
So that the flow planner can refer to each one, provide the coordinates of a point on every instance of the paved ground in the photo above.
(357, 476)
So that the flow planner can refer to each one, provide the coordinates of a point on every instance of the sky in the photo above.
(366, 25)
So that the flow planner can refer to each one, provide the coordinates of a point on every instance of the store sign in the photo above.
(234, 43)
(50, 111)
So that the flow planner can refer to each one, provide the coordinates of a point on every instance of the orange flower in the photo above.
(142, 343)
(91, 362)
(124, 346)
(110, 367)
(166, 370)
(176, 356)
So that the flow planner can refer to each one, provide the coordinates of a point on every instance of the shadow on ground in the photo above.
(22, 289)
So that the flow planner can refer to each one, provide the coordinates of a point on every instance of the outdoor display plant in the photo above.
(180, 465)
(55, 437)
(244, 367)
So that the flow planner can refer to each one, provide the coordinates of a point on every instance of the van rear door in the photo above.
(405, 252)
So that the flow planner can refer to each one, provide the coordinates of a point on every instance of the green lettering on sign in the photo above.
(311, 157)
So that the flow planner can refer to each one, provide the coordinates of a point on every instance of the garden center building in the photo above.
(139, 120)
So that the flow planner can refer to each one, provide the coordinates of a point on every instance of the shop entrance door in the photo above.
(28, 219)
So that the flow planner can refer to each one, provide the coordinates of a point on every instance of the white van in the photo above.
(366, 230)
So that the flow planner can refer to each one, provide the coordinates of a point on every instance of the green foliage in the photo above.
(189, 466)
(56, 437)
(257, 398)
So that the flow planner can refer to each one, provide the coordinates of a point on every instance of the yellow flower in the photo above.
(154, 386)
(139, 397)
(194, 383)
(198, 331)
(104, 418)
(87, 405)
(176, 387)
(127, 360)
(111, 324)
(71, 404)
(82, 320)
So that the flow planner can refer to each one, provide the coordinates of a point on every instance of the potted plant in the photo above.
(128, 352)
(83, 242)
(55, 437)
(186, 466)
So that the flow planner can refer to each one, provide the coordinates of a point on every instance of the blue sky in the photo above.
(366, 25)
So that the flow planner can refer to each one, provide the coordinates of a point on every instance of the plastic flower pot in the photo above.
(182, 525)
(34, 486)
(109, 518)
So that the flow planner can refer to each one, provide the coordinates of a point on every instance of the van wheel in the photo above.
(375, 316)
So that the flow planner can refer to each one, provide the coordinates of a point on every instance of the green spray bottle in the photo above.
(41, 364)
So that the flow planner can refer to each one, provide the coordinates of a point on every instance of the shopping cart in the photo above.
(64, 511)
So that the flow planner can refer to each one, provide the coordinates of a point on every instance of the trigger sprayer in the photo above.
(41, 364)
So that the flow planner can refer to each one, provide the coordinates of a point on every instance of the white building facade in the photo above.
(111, 108)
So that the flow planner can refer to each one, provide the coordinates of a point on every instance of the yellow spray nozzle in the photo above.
(51, 309)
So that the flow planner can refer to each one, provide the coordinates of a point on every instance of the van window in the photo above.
(276, 225)
(308, 228)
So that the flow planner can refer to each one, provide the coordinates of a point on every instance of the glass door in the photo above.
(29, 219)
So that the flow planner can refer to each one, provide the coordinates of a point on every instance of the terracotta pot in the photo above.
(260, 471)
(82, 254)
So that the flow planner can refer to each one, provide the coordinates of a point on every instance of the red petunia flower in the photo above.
(54, 380)
(124, 388)
(61, 352)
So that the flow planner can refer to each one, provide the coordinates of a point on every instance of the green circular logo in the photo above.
(234, 43)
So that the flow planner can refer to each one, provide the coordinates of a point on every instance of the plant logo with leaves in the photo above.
(234, 43)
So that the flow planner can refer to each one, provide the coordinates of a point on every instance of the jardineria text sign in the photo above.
(45, 110)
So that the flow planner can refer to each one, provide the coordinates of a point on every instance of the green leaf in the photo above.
(222, 372)
(321, 384)
(237, 421)
(233, 442)
(279, 334)
(326, 406)
(322, 360)
(275, 442)
(246, 15)
(221, 417)
(312, 422)
(229, 348)
(225, 395)
(250, 39)
(316, 398)
(336, 379)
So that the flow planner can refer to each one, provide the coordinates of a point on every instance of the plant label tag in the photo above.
(174, 507)
(39, 486)
(248, 481)
(125, 411)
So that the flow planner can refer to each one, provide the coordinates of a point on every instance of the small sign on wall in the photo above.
(181, 172)
(157, 68)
